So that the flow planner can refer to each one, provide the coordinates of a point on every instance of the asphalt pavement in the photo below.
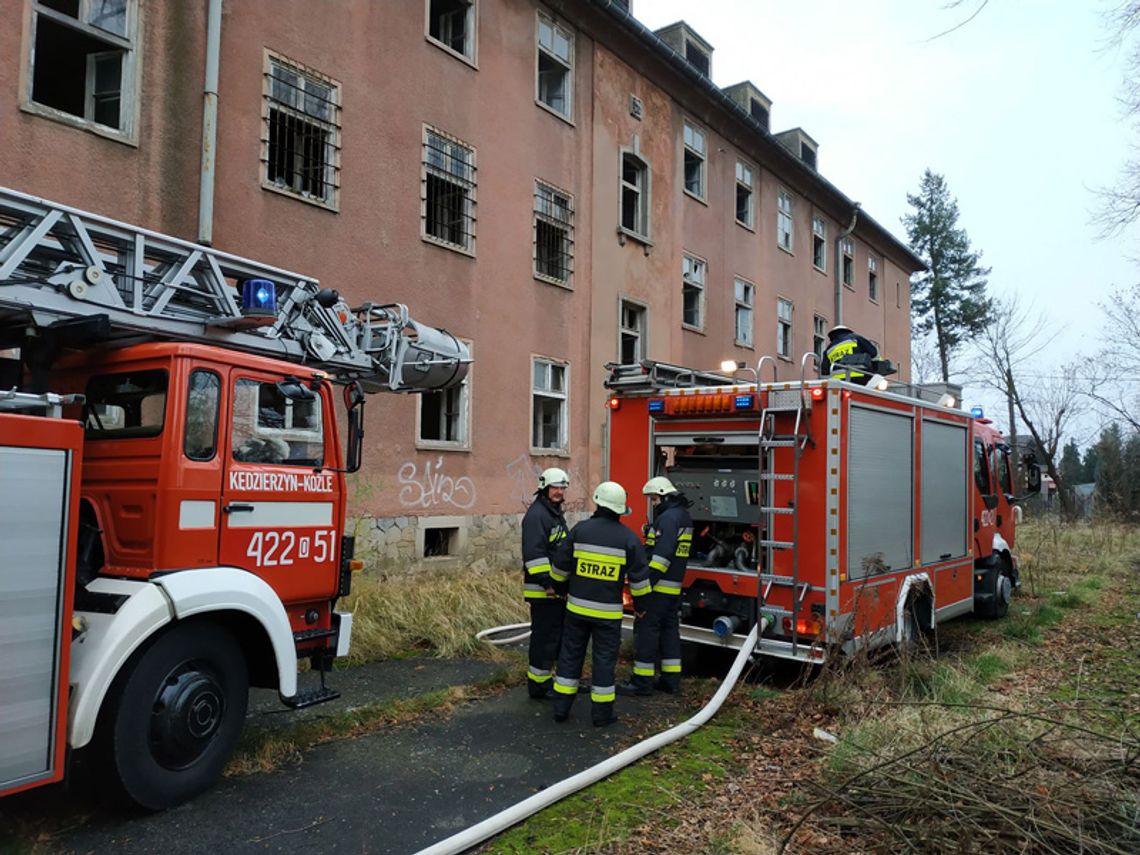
(395, 790)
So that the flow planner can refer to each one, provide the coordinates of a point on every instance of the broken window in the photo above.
(634, 195)
(553, 233)
(819, 243)
(744, 205)
(694, 160)
(692, 291)
(555, 65)
(449, 191)
(819, 336)
(302, 137)
(784, 220)
(548, 405)
(784, 328)
(452, 24)
(873, 278)
(83, 57)
(848, 267)
(745, 292)
(632, 343)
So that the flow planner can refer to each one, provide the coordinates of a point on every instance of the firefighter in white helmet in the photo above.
(848, 356)
(543, 529)
(657, 629)
(596, 560)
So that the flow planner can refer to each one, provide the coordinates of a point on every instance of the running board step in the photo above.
(778, 544)
(777, 510)
(770, 476)
(312, 634)
(311, 697)
(777, 443)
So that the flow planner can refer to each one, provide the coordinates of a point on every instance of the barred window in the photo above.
(819, 243)
(553, 234)
(784, 328)
(301, 134)
(784, 221)
(692, 291)
(448, 191)
(744, 296)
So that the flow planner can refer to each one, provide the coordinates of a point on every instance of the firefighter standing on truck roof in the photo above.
(543, 529)
(657, 630)
(848, 356)
(598, 557)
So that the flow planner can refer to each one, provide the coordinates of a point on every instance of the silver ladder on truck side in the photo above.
(779, 404)
(63, 267)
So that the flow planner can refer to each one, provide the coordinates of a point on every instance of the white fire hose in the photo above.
(517, 813)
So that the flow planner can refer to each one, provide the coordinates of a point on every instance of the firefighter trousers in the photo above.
(545, 635)
(604, 635)
(657, 636)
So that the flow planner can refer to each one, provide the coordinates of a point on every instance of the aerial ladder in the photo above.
(69, 277)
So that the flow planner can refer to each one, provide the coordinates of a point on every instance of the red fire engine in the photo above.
(849, 516)
(172, 489)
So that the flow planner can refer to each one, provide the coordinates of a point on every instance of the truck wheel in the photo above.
(917, 634)
(999, 586)
(177, 714)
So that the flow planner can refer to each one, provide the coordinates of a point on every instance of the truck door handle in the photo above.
(236, 508)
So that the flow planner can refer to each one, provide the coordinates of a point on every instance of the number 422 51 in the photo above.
(282, 548)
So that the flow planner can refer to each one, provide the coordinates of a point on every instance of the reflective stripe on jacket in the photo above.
(596, 560)
(543, 530)
(668, 544)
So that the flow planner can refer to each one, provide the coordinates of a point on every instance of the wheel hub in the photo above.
(188, 710)
(1005, 589)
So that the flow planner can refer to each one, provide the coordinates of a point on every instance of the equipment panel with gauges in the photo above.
(720, 495)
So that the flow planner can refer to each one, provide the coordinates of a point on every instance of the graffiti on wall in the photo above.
(432, 487)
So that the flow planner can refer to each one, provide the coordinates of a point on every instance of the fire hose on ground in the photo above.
(556, 792)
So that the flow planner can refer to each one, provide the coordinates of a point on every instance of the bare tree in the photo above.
(924, 364)
(1049, 408)
(1006, 352)
(1113, 375)
(1120, 204)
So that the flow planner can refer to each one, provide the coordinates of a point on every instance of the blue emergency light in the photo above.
(977, 412)
(743, 402)
(258, 297)
(657, 405)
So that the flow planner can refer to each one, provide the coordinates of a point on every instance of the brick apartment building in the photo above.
(552, 182)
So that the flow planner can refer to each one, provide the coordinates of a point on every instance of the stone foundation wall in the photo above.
(396, 546)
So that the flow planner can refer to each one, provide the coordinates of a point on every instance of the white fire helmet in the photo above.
(553, 477)
(611, 495)
(659, 486)
(839, 329)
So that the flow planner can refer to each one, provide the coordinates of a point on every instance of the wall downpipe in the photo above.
(209, 124)
(839, 264)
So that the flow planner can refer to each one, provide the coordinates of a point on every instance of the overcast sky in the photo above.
(1018, 109)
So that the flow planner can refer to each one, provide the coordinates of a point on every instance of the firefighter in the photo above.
(657, 628)
(543, 530)
(846, 354)
(596, 560)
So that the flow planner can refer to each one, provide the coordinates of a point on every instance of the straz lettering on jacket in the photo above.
(844, 348)
(684, 542)
(594, 566)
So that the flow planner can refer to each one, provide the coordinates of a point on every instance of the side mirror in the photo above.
(354, 403)
(1032, 474)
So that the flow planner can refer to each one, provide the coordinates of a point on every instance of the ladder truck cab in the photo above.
(847, 516)
(172, 490)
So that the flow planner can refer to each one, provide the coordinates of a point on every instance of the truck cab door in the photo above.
(986, 500)
(1003, 483)
(282, 509)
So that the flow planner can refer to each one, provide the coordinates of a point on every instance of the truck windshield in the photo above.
(126, 406)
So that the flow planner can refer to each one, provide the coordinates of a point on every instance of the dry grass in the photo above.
(431, 615)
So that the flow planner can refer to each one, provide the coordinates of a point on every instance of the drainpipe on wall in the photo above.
(209, 124)
(839, 264)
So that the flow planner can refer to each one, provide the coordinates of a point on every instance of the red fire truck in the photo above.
(172, 490)
(850, 516)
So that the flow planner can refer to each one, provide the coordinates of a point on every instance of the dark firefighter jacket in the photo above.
(667, 544)
(597, 558)
(543, 528)
(846, 355)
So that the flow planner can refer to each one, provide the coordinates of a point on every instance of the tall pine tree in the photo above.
(949, 299)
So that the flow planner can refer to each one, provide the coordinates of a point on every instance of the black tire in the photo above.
(918, 633)
(176, 714)
(999, 587)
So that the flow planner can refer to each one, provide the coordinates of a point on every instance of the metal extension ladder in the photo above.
(782, 403)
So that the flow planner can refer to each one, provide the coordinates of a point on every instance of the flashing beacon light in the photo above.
(743, 402)
(614, 403)
(258, 298)
(656, 405)
(817, 393)
(977, 412)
